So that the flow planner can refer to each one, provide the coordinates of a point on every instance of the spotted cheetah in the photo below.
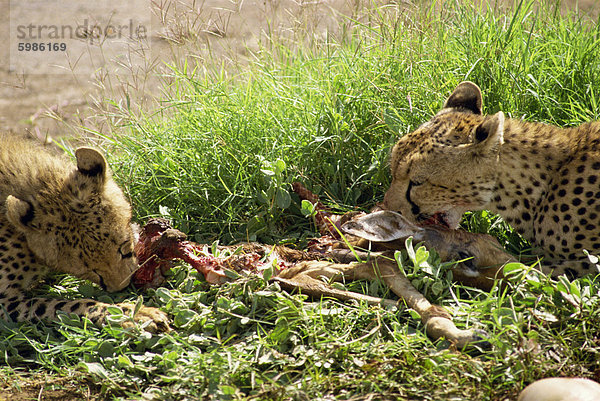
(59, 217)
(542, 179)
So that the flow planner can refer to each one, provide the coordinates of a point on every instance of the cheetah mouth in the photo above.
(437, 219)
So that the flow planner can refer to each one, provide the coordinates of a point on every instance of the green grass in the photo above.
(218, 158)
(331, 112)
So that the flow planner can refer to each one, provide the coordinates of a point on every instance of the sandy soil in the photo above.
(53, 104)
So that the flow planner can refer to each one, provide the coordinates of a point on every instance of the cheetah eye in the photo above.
(126, 250)
(126, 255)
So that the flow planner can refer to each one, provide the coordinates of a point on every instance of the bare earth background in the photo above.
(50, 104)
(43, 105)
(229, 30)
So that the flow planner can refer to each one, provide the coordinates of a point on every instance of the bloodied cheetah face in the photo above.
(448, 165)
(542, 179)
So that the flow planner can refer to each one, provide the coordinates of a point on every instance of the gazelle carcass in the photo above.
(482, 259)
(481, 255)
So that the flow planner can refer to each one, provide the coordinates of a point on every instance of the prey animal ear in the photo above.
(466, 97)
(91, 163)
(383, 226)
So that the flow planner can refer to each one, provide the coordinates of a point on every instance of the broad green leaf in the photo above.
(279, 166)
(94, 368)
(183, 317)
(307, 208)
(283, 198)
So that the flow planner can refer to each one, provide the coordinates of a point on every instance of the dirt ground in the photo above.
(56, 104)
(25, 387)
(51, 104)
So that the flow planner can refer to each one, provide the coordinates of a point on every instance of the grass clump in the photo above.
(218, 158)
(331, 112)
(250, 340)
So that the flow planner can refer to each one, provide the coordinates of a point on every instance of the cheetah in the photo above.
(59, 217)
(542, 179)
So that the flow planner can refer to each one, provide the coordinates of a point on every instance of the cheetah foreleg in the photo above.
(21, 309)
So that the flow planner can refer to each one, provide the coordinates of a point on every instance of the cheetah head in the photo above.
(449, 165)
(80, 224)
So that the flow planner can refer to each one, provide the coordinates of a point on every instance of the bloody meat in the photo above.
(160, 245)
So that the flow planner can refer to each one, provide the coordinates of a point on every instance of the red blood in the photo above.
(159, 245)
(438, 219)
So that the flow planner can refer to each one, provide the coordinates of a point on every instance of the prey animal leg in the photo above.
(437, 321)
(317, 288)
(307, 277)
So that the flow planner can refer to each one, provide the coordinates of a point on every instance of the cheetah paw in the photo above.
(153, 320)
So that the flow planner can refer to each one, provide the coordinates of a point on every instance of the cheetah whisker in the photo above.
(128, 277)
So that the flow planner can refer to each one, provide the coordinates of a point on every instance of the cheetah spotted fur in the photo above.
(542, 179)
(59, 217)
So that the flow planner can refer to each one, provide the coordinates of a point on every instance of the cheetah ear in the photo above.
(20, 213)
(466, 96)
(490, 133)
(91, 163)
